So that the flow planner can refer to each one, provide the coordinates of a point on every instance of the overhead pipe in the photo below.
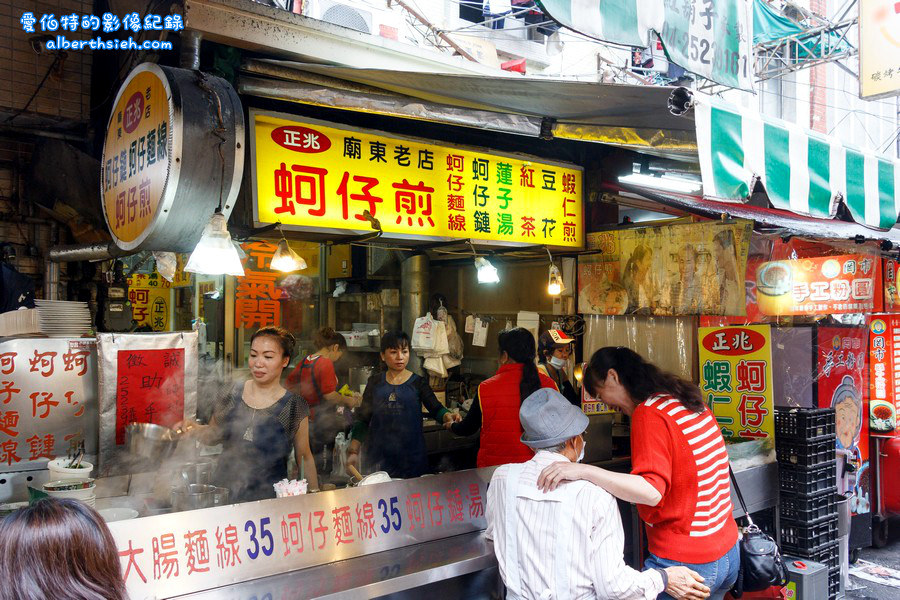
(90, 252)
(190, 49)
(413, 297)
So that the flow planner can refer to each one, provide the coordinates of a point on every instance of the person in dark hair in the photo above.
(389, 420)
(495, 408)
(315, 381)
(258, 423)
(554, 349)
(679, 477)
(58, 548)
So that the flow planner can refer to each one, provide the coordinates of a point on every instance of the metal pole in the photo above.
(413, 297)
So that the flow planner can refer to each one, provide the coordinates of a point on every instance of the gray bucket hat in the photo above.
(549, 419)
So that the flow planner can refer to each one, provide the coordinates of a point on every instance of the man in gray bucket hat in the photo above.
(566, 543)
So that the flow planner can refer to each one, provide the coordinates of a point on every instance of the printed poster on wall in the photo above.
(684, 269)
(330, 178)
(841, 384)
(736, 379)
(826, 285)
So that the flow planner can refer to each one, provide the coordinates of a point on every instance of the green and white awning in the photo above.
(802, 171)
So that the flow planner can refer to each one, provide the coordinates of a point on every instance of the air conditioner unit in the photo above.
(342, 15)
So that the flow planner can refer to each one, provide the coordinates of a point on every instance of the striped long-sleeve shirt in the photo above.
(682, 454)
(592, 552)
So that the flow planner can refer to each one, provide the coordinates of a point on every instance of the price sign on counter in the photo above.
(181, 553)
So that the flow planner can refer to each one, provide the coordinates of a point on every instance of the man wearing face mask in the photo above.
(567, 543)
(554, 349)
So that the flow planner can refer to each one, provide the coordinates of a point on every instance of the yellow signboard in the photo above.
(151, 307)
(326, 177)
(136, 156)
(879, 48)
(736, 379)
(155, 280)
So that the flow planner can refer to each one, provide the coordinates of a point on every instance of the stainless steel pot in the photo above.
(199, 472)
(153, 442)
(194, 496)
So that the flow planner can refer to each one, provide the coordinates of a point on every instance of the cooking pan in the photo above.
(153, 442)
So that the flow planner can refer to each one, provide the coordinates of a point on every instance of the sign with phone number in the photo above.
(181, 553)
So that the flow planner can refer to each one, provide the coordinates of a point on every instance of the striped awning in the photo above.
(802, 171)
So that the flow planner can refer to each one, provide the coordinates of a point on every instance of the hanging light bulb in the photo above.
(487, 273)
(215, 253)
(286, 260)
(555, 285)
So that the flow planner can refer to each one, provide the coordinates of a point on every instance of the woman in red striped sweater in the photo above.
(679, 477)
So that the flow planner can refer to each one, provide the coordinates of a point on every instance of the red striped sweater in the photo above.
(692, 523)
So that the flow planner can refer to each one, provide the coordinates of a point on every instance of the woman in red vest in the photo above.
(495, 408)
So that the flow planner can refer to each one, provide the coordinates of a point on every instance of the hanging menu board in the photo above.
(144, 378)
(884, 374)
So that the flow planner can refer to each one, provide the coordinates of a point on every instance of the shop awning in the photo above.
(802, 171)
(632, 116)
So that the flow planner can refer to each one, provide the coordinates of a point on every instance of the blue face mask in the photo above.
(558, 363)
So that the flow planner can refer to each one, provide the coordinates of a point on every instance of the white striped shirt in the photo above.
(596, 568)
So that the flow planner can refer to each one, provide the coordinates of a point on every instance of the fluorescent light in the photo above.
(668, 183)
(286, 260)
(215, 253)
(487, 273)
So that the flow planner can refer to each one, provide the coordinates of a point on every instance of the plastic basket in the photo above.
(808, 481)
(803, 424)
(828, 554)
(799, 534)
(808, 509)
(806, 453)
(834, 583)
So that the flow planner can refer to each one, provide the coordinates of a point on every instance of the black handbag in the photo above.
(761, 562)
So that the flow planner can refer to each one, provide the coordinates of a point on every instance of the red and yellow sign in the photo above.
(150, 307)
(736, 379)
(325, 177)
(136, 156)
(156, 281)
(818, 286)
(884, 374)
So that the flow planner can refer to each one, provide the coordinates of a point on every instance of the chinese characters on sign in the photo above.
(884, 373)
(149, 388)
(330, 178)
(820, 286)
(257, 298)
(247, 541)
(879, 38)
(47, 400)
(736, 379)
(136, 156)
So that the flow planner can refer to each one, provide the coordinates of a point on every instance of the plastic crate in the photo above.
(803, 424)
(828, 554)
(808, 480)
(834, 583)
(806, 453)
(808, 509)
(799, 534)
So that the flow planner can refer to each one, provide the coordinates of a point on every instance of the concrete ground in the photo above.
(889, 556)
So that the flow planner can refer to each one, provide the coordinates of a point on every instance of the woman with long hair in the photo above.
(314, 380)
(58, 549)
(495, 408)
(258, 423)
(680, 471)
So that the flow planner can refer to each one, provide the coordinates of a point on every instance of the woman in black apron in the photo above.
(389, 420)
(258, 423)
(315, 381)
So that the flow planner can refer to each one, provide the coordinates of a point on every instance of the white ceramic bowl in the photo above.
(86, 494)
(118, 514)
(59, 471)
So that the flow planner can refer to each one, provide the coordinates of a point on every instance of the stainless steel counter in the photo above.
(463, 566)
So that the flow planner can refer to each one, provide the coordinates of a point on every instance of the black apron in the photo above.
(396, 442)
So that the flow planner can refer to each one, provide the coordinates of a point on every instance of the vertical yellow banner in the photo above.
(736, 379)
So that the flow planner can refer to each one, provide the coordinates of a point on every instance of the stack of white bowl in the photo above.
(85, 491)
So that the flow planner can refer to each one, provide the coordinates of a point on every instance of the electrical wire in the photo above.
(37, 90)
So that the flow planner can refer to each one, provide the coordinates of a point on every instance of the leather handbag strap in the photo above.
(740, 496)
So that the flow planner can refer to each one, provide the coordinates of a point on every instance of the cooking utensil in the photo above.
(151, 441)
(221, 496)
(199, 472)
(194, 496)
(354, 472)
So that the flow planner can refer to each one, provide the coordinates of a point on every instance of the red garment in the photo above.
(692, 523)
(323, 369)
(501, 431)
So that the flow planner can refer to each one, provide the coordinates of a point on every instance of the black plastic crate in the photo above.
(806, 453)
(803, 424)
(834, 583)
(808, 509)
(800, 534)
(828, 554)
(808, 480)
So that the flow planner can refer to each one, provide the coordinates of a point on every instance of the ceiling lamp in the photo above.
(555, 285)
(487, 273)
(666, 182)
(285, 259)
(215, 253)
